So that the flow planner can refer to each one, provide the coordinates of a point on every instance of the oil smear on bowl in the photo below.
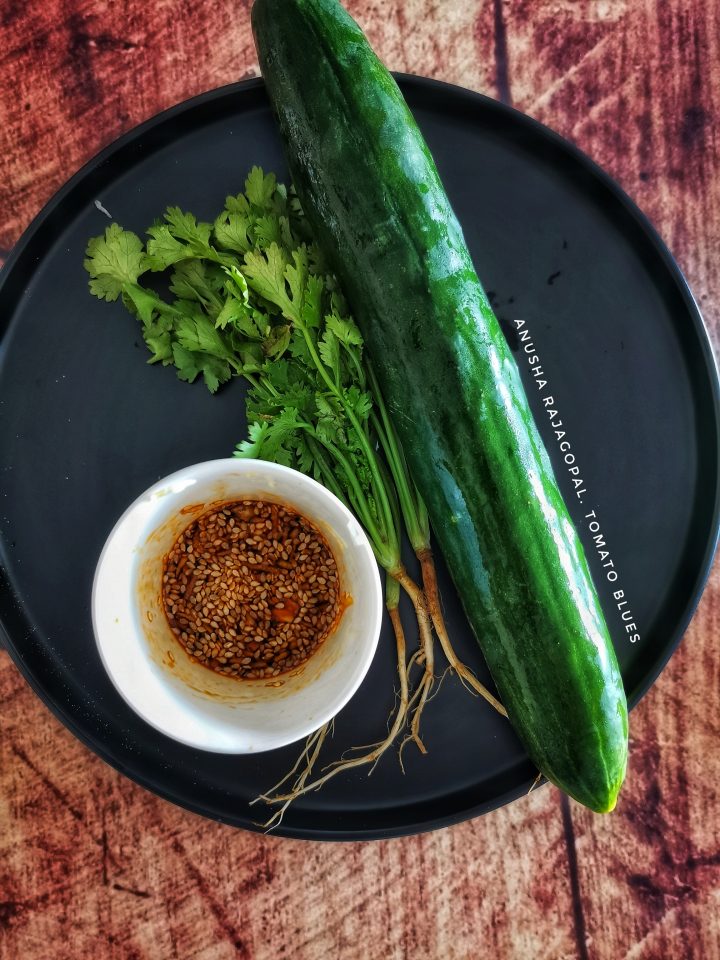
(214, 666)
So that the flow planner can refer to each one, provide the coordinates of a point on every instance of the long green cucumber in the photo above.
(372, 193)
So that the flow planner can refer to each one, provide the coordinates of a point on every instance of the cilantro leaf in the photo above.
(299, 350)
(181, 237)
(272, 439)
(325, 408)
(237, 284)
(238, 204)
(158, 337)
(329, 349)
(265, 273)
(198, 334)
(282, 429)
(303, 456)
(312, 302)
(260, 188)
(296, 272)
(251, 448)
(232, 231)
(271, 229)
(113, 261)
(289, 385)
(286, 235)
(249, 354)
(242, 318)
(185, 227)
(346, 330)
(200, 281)
(190, 364)
(164, 250)
(359, 401)
(277, 340)
(326, 430)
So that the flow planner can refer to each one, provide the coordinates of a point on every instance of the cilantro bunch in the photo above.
(250, 295)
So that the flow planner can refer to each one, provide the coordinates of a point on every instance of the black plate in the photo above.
(87, 425)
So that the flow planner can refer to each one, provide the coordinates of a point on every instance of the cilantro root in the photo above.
(305, 763)
(432, 594)
(424, 656)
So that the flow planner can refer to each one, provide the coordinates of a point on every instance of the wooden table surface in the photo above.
(91, 865)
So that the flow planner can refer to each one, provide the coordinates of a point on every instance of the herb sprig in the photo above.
(250, 295)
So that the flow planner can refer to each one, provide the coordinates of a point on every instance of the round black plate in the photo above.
(86, 425)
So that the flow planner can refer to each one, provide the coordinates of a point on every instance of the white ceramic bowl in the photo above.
(151, 670)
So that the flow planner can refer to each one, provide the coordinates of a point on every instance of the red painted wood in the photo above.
(93, 866)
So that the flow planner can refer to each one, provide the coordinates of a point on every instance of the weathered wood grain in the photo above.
(93, 866)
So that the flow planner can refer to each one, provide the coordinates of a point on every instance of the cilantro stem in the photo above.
(328, 474)
(413, 510)
(359, 370)
(267, 386)
(385, 545)
(386, 549)
(158, 303)
(379, 488)
(392, 592)
(250, 377)
(356, 362)
(392, 496)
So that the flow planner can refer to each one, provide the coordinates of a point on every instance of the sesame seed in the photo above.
(239, 595)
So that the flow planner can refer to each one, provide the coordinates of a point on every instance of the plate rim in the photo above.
(475, 100)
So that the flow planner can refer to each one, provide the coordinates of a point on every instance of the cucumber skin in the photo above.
(371, 191)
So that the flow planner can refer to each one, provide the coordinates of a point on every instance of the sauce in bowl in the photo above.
(251, 589)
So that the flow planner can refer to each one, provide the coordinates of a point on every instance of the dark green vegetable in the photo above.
(370, 189)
